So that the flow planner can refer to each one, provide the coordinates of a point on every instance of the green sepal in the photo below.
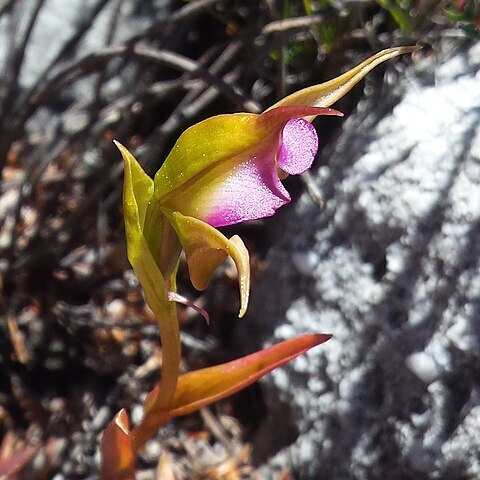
(137, 192)
(327, 93)
(141, 185)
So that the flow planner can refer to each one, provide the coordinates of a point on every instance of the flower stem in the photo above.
(158, 255)
(161, 397)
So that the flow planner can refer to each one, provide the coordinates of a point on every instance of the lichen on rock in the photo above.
(395, 393)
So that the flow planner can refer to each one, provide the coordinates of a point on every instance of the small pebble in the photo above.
(116, 310)
(137, 414)
(423, 366)
(461, 335)
(305, 262)
(101, 419)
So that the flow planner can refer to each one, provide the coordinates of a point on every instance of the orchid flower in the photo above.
(222, 171)
(226, 170)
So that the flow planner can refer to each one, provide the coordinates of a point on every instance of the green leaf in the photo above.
(399, 12)
(307, 5)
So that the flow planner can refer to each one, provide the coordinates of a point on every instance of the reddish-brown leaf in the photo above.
(118, 461)
(202, 387)
(15, 455)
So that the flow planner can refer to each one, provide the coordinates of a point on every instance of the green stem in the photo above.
(162, 397)
(160, 400)
(171, 351)
(165, 312)
(154, 264)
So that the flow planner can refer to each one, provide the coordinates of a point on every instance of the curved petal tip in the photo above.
(298, 146)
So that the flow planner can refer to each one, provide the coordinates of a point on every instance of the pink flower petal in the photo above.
(252, 190)
(298, 146)
(245, 185)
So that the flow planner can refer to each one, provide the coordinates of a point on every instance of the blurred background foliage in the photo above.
(76, 342)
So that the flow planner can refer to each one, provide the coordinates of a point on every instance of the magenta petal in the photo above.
(253, 190)
(298, 146)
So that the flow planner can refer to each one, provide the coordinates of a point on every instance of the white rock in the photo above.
(423, 366)
(397, 284)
